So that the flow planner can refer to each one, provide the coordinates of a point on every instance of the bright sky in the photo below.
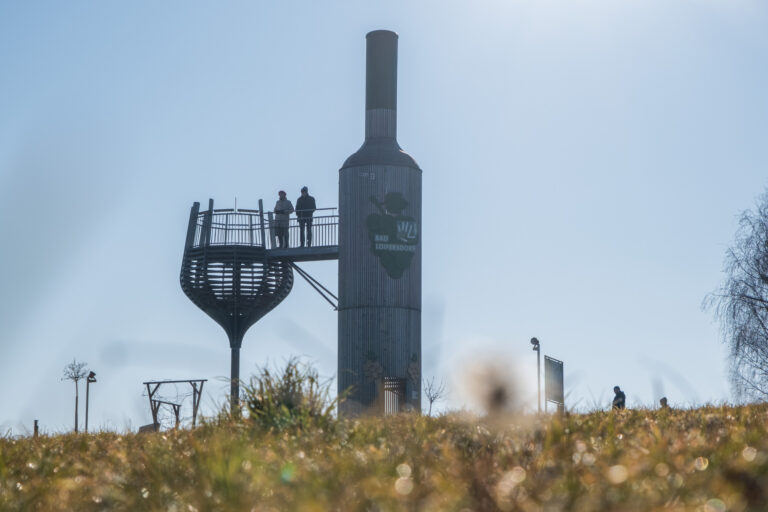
(584, 165)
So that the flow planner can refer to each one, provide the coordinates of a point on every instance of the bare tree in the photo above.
(75, 371)
(741, 304)
(434, 392)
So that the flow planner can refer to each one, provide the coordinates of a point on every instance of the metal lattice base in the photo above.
(235, 285)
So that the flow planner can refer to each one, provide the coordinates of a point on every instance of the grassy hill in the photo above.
(709, 459)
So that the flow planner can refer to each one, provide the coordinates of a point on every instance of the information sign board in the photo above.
(553, 381)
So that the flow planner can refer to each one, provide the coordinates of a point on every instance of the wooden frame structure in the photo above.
(154, 404)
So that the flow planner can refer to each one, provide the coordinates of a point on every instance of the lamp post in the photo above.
(91, 378)
(537, 348)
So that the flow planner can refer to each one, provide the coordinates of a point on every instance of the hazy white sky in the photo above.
(584, 163)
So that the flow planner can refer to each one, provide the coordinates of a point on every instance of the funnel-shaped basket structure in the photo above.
(226, 272)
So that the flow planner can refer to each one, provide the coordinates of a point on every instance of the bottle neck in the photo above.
(381, 85)
(381, 122)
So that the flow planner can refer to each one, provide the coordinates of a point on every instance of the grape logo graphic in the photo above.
(393, 236)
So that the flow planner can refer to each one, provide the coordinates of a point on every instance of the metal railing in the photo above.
(255, 228)
(324, 230)
(228, 227)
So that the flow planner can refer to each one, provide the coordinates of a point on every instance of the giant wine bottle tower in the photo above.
(379, 356)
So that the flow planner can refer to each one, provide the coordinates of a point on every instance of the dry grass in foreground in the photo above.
(708, 459)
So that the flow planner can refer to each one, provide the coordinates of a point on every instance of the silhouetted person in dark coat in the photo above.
(620, 399)
(283, 211)
(663, 403)
(305, 207)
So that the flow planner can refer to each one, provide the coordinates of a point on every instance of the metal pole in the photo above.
(88, 380)
(272, 231)
(537, 347)
(77, 399)
(235, 380)
(538, 374)
(87, 390)
(261, 222)
(192, 227)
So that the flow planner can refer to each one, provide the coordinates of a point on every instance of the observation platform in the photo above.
(234, 270)
(221, 230)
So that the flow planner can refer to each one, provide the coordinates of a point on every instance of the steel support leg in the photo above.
(235, 381)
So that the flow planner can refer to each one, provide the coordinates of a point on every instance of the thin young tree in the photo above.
(741, 304)
(434, 392)
(75, 371)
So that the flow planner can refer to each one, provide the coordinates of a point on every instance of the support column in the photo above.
(234, 392)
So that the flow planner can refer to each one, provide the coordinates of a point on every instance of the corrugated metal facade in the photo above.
(379, 316)
(381, 122)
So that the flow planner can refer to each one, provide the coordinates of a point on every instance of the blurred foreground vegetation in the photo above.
(710, 459)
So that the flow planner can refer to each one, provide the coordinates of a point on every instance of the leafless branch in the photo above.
(75, 371)
(434, 392)
(741, 303)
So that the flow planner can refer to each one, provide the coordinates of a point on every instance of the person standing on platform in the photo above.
(619, 401)
(283, 210)
(305, 207)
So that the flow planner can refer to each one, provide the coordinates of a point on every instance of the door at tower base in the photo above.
(393, 398)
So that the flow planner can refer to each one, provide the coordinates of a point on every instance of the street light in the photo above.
(91, 378)
(536, 347)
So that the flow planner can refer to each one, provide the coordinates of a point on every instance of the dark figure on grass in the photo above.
(620, 399)
(305, 207)
(283, 211)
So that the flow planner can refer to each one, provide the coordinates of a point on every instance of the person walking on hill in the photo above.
(283, 211)
(305, 207)
(620, 399)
